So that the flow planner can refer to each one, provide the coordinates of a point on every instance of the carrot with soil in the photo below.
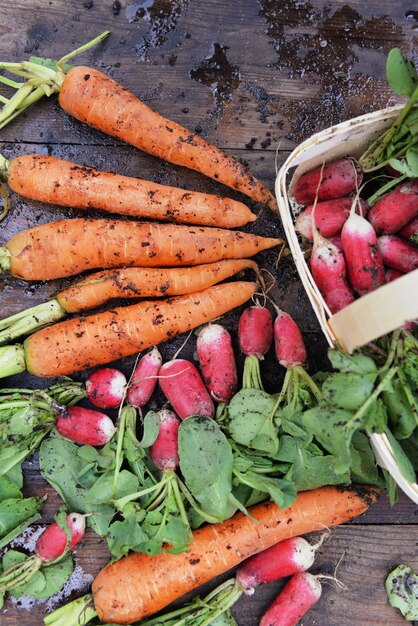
(139, 585)
(81, 343)
(68, 247)
(99, 101)
(59, 182)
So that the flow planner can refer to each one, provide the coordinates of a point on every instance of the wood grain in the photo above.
(252, 77)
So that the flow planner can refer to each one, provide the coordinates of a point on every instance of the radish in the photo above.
(255, 335)
(329, 217)
(336, 241)
(184, 388)
(397, 253)
(144, 379)
(332, 180)
(51, 546)
(363, 258)
(217, 362)
(284, 559)
(84, 426)
(289, 345)
(301, 592)
(395, 209)
(106, 387)
(392, 274)
(164, 451)
(410, 231)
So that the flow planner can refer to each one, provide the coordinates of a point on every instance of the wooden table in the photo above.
(254, 77)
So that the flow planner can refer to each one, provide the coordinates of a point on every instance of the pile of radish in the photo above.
(355, 248)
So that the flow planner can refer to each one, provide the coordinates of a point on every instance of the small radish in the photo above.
(332, 180)
(395, 209)
(144, 379)
(330, 217)
(51, 546)
(289, 344)
(284, 559)
(106, 387)
(410, 231)
(336, 241)
(84, 426)
(397, 253)
(255, 335)
(392, 274)
(364, 261)
(164, 451)
(329, 272)
(301, 592)
(185, 390)
(217, 362)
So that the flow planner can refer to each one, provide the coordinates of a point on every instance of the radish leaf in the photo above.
(402, 591)
(348, 390)
(401, 74)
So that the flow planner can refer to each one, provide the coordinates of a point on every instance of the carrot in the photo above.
(52, 180)
(82, 343)
(128, 282)
(68, 247)
(139, 585)
(97, 100)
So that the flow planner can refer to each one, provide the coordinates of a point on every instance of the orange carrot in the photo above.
(139, 585)
(68, 247)
(48, 179)
(81, 343)
(128, 282)
(97, 100)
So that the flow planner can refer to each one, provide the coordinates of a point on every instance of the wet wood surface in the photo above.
(253, 77)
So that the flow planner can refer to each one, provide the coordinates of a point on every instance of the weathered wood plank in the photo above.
(263, 72)
(368, 555)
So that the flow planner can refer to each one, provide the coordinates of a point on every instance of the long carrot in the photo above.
(68, 247)
(129, 282)
(97, 100)
(48, 179)
(81, 343)
(139, 585)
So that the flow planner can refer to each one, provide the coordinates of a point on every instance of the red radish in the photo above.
(392, 274)
(164, 451)
(329, 217)
(52, 544)
(255, 334)
(333, 180)
(289, 345)
(144, 379)
(337, 242)
(301, 592)
(185, 390)
(395, 209)
(410, 231)
(397, 253)
(85, 426)
(255, 331)
(217, 362)
(363, 258)
(284, 559)
(106, 387)
(329, 271)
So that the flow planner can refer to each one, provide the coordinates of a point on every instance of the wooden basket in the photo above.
(377, 313)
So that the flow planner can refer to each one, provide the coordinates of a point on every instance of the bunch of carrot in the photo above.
(356, 249)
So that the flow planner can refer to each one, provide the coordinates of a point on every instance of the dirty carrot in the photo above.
(68, 247)
(82, 343)
(139, 585)
(99, 101)
(59, 182)
(129, 282)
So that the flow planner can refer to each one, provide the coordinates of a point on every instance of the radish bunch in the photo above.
(372, 242)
